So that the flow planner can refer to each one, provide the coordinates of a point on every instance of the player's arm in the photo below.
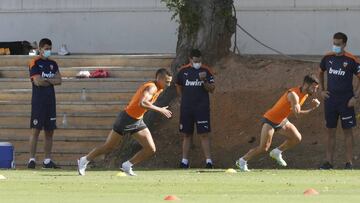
(210, 87)
(146, 103)
(40, 81)
(296, 107)
(324, 93)
(56, 80)
(179, 90)
(208, 80)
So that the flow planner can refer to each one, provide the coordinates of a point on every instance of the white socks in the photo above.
(127, 164)
(84, 159)
(185, 161)
(277, 151)
(47, 161)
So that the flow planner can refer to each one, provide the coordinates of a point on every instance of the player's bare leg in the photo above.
(112, 141)
(267, 133)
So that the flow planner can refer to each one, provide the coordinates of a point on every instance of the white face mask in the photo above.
(197, 65)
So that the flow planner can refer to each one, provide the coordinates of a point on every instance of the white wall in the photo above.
(144, 26)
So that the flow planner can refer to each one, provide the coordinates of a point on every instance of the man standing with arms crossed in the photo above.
(44, 74)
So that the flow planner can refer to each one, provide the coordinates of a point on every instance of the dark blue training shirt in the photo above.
(340, 71)
(193, 92)
(46, 69)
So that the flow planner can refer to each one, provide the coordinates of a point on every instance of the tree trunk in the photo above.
(207, 25)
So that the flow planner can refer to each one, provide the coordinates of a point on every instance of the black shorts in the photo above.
(199, 117)
(125, 124)
(43, 115)
(337, 107)
(276, 126)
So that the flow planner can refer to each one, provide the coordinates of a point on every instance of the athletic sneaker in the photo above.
(31, 164)
(184, 166)
(278, 158)
(209, 165)
(348, 166)
(82, 164)
(242, 165)
(128, 170)
(326, 166)
(51, 164)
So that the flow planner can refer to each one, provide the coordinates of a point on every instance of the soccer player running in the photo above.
(44, 74)
(275, 120)
(130, 121)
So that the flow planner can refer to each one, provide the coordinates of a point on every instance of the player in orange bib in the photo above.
(275, 119)
(130, 121)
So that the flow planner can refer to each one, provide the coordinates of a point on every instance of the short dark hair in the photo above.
(45, 41)
(195, 53)
(310, 79)
(340, 35)
(163, 72)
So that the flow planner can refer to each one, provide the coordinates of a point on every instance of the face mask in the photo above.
(336, 49)
(197, 65)
(47, 53)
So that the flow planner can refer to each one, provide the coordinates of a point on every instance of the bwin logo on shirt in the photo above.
(47, 75)
(193, 83)
(337, 72)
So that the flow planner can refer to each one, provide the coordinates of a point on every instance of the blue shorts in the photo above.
(195, 116)
(43, 115)
(337, 107)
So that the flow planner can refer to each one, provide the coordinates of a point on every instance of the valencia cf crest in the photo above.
(345, 64)
(35, 122)
(51, 67)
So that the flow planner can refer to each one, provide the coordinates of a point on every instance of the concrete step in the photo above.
(58, 146)
(66, 107)
(71, 83)
(115, 72)
(136, 60)
(57, 138)
(60, 158)
(71, 94)
(69, 132)
(71, 119)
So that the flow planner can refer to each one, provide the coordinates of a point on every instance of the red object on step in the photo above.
(99, 73)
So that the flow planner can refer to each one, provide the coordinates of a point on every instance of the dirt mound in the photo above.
(245, 88)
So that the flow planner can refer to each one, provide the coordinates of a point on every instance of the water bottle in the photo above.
(83, 95)
(64, 121)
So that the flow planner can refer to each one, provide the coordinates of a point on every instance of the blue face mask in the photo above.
(336, 49)
(47, 53)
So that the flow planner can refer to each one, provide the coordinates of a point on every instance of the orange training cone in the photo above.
(171, 198)
(311, 191)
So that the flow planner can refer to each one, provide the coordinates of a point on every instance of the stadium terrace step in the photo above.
(84, 94)
(66, 106)
(71, 119)
(71, 83)
(115, 72)
(8, 132)
(136, 60)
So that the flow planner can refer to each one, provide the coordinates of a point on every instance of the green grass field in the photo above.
(190, 186)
